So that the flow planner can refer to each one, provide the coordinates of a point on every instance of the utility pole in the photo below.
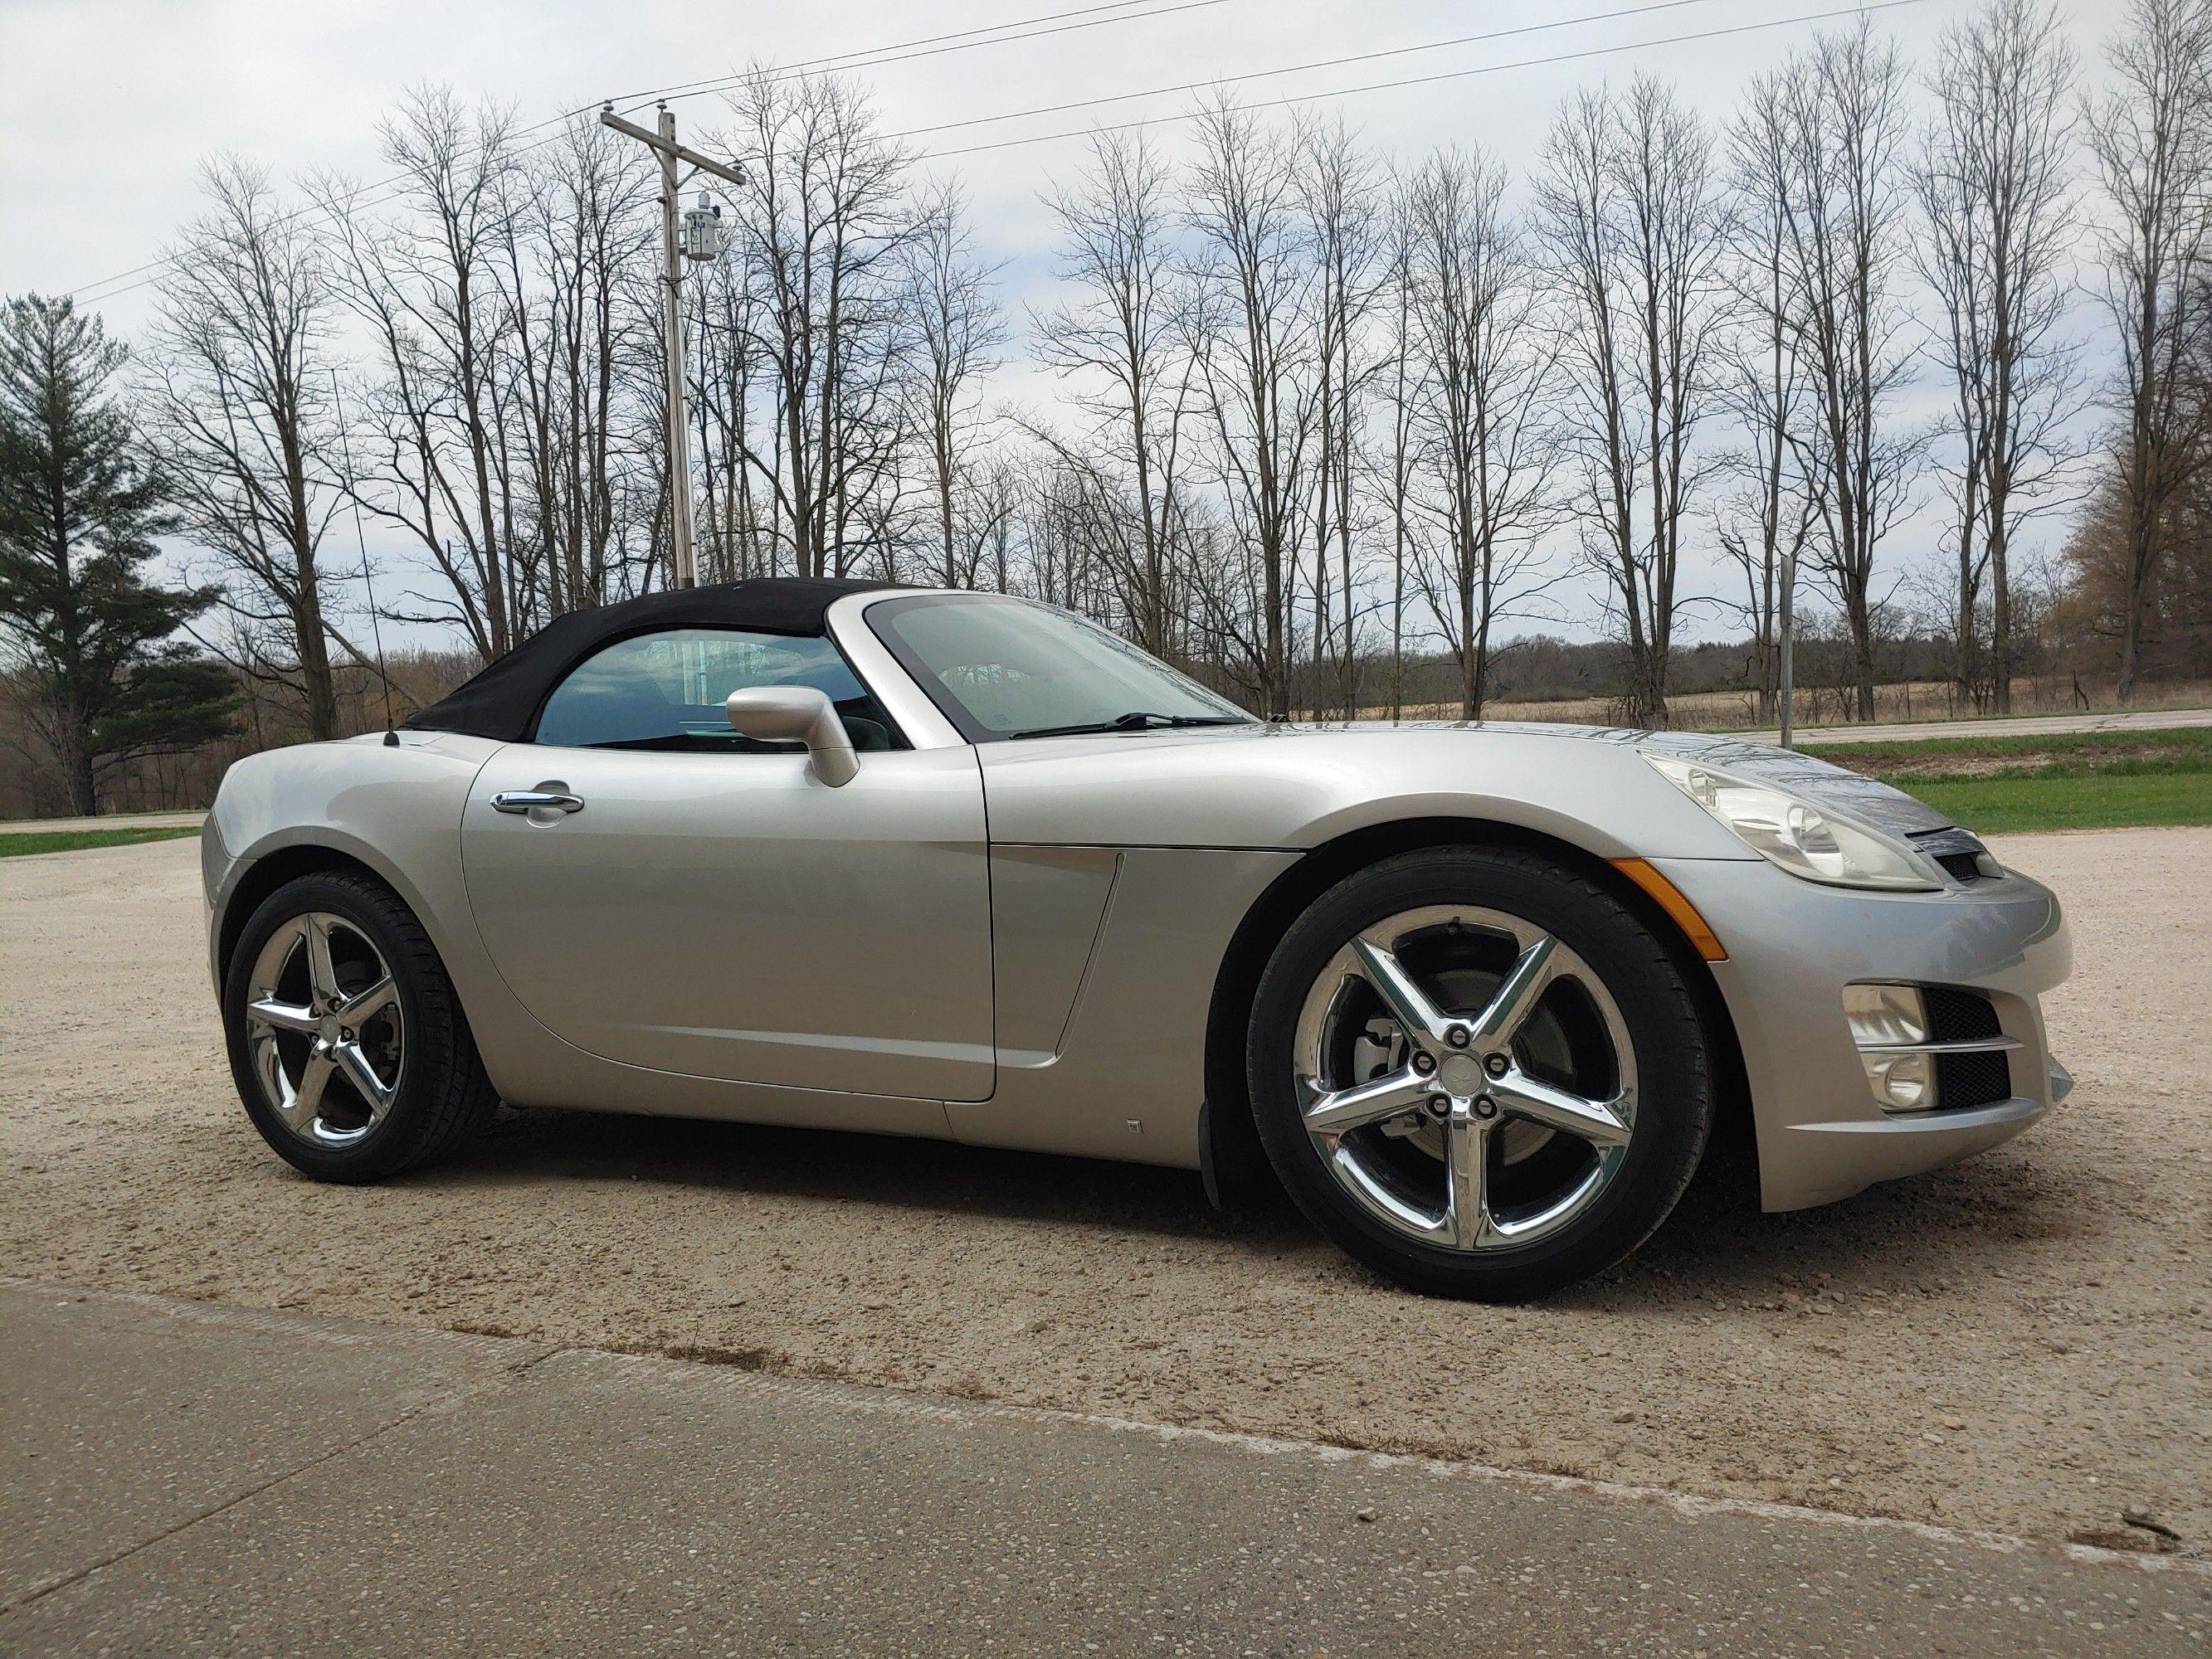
(684, 569)
(682, 564)
(1788, 640)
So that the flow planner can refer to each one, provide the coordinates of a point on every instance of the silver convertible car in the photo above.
(962, 866)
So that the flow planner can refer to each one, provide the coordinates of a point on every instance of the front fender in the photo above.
(394, 808)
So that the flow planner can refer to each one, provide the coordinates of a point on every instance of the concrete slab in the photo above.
(585, 1502)
(124, 1418)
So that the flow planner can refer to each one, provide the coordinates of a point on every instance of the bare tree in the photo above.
(423, 271)
(572, 292)
(1844, 200)
(1994, 184)
(2152, 139)
(1116, 340)
(1487, 382)
(238, 406)
(1399, 386)
(1255, 337)
(1339, 187)
(737, 526)
(1764, 522)
(957, 329)
(822, 226)
(1630, 212)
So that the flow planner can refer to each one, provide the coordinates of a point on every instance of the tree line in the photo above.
(1321, 417)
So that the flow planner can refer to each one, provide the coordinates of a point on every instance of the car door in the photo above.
(703, 904)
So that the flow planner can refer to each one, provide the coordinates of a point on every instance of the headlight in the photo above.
(1816, 842)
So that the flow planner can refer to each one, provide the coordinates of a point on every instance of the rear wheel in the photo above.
(347, 1042)
(1479, 1071)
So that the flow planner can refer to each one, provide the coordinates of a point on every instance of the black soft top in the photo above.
(502, 700)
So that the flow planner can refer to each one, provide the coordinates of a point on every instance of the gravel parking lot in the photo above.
(2021, 1343)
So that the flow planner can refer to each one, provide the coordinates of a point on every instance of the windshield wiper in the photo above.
(1137, 720)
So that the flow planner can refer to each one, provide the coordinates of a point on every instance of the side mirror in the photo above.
(786, 713)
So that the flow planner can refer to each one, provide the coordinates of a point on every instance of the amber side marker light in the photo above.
(1668, 897)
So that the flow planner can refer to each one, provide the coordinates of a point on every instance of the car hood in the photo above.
(1276, 784)
(1868, 799)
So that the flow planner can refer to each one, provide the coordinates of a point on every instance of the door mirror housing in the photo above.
(797, 714)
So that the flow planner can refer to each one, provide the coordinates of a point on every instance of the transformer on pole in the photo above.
(703, 231)
(698, 237)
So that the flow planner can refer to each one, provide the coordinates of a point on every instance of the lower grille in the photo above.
(1959, 1016)
(1972, 1079)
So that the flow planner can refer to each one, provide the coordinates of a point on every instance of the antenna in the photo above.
(361, 540)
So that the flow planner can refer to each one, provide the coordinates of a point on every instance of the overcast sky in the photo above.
(107, 107)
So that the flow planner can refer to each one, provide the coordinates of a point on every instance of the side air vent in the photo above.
(1961, 853)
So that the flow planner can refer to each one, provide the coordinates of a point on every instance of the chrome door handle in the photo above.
(532, 800)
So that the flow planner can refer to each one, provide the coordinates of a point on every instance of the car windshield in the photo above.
(1006, 669)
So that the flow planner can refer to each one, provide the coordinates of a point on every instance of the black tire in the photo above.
(1674, 1093)
(443, 1094)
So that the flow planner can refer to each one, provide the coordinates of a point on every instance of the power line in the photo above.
(1301, 69)
(958, 40)
(1275, 103)
(1447, 75)
(1394, 51)
(699, 88)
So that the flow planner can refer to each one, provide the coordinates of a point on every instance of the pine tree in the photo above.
(85, 636)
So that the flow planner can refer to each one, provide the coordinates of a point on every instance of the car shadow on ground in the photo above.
(836, 1166)
(1717, 1235)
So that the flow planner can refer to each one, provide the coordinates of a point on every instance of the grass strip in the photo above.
(17, 843)
(2101, 800)
(2065, 754)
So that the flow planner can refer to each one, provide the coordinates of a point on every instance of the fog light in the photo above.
(1901, 1083)
(1885, 1015)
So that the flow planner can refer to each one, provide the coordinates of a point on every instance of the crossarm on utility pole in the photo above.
(734, 174)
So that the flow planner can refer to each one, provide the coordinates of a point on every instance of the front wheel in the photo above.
(1479, 1073)
(346, 1041)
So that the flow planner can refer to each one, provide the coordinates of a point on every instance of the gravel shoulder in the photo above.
(2021, 1343)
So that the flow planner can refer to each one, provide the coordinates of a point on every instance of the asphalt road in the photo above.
(2021, 726)
(181, 1478)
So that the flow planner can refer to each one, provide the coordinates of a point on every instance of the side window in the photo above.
(665, 690)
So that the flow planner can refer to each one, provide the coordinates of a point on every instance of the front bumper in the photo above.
(1792, 945)
(216, 863)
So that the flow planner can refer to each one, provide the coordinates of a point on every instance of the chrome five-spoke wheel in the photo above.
(1465, 1076)
(324, 1033)
(1480, 1069)
(347, 1040)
